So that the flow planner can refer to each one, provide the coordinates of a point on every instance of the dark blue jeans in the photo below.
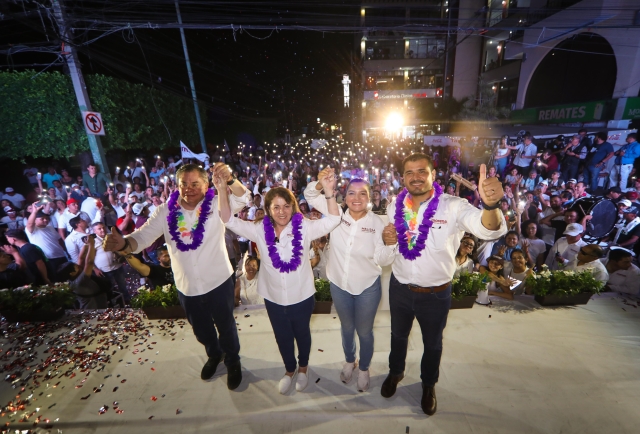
(291, 323)
(213, 310)
(431, 311)
(119, 276)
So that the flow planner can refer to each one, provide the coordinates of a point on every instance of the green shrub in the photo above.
(162, 296)
(468, 284)
(323, 290)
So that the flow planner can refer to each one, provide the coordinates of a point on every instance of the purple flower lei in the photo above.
(270, 238)
(423, 229)
(197, 235)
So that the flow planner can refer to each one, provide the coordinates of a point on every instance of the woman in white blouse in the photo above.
(286, 279)
(356, 257)
(247, 284)
(464, 257)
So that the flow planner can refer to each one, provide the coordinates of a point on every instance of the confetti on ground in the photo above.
(153, 398)
(178, 411)
(322, 351)
(317, 381)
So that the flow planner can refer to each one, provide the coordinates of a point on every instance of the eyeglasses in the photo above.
(468, 244)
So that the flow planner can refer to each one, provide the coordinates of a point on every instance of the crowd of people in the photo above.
(286, 214)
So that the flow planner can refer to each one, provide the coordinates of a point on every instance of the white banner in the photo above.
(318, 143)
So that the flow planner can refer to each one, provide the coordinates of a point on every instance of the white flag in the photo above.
(187, 153)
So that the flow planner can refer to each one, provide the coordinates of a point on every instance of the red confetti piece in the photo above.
(115, 388)
(153, 398)
(178, 411)
(123, 381)
(153, 369)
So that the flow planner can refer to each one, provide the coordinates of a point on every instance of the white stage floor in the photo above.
(511, 368)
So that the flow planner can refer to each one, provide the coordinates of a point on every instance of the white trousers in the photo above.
(623, 172)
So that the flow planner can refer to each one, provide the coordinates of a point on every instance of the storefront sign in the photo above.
(402, 94)
(562, 114)
(631, 109)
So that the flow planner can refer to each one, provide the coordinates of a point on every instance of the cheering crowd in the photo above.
(284, 214)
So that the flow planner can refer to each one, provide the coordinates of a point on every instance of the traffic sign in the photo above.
(93, 123)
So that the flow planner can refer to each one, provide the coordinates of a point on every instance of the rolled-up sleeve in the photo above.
(469, 219)
(245, 229)
(237, 203)
(316, 199)
(153, 229)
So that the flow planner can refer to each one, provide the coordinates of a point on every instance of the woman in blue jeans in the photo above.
(285, 281)
(356, 255)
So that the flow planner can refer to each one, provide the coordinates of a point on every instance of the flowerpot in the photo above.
(561, 300)
(322, 307)
(465, 302)
(159, 312)
(40, 315)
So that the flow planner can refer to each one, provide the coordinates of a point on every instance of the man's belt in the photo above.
(429, 289)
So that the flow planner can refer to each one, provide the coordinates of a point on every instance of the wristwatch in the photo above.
(233, 179)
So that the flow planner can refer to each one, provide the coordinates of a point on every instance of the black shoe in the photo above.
(234, 375)
(429, 402)
(390, 384)
(210, 367)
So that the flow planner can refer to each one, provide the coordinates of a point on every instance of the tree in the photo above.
(39, 115)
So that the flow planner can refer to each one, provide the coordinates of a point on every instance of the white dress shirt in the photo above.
(357, 252)
(437, 262)
(105, 261)
(74, 244)
(627, 281)
(566, 250)
(199, 271)
(596, 268)
(525, 151)
(285, 289)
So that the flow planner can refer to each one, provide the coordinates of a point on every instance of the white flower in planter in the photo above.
(166, 289)
(142, 288)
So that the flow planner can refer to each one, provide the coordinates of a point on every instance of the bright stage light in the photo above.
(394, 122)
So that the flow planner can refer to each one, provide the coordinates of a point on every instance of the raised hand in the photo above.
(328, 180)
(490, 188)
(222, 171)
(220, 183)
(113, 241)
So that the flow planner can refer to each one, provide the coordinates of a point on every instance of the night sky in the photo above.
(292, 76)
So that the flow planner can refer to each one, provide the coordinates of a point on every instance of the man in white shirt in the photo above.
(427, 244)
(526, 153)
(15, 198)
(73, 210)
(201, 269)
(108, 264)
(624, 276)
(74, 241)
(566, 248)
(588, 259)
(43, 235)
(91, 206)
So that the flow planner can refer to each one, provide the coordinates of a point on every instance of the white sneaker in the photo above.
(347, 372)
(285, 383)
(363, 381)
(302, 381)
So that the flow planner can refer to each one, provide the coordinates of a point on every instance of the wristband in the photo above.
(231, 182)
(126, 244)
(490, 207)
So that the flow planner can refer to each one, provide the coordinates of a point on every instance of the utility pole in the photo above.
(193, 86)
(80, 88)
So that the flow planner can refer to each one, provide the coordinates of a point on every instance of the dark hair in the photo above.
(91, 164)
(253, 258)
(633, 136)
(64, 271)
(188, 168)
(418, 156)
(475, 245)
(582, 130)
(566, 195)
(602, 135)
(618, 254)
(526, 224)
(512, 233)
(74, 222)
(282, 193)
(16, 233)
(161, 248)
(361, 181)
(521, 252)
(527, 136)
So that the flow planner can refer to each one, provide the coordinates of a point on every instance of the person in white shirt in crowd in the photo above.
(73, 210)
(356, 258)
(107, 264)
(43, 235)
(257, 204)
(566, 248)
(384, 190)
(319, 256)
(531, 181)
(11, 220)
(427, 226)
(58, 209)
(156, 201)
(199, 260)
(91, 206)
(554, 211)
(59, 189)
(533, 246)
(286, 280)
(465, 255)
(32, 174)
(627, 232)
(588, 259)
(624, 275)
(580, 190)
(526, 152)
(76, 238)
(246, 290)
(516, 269)
(15, 198)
